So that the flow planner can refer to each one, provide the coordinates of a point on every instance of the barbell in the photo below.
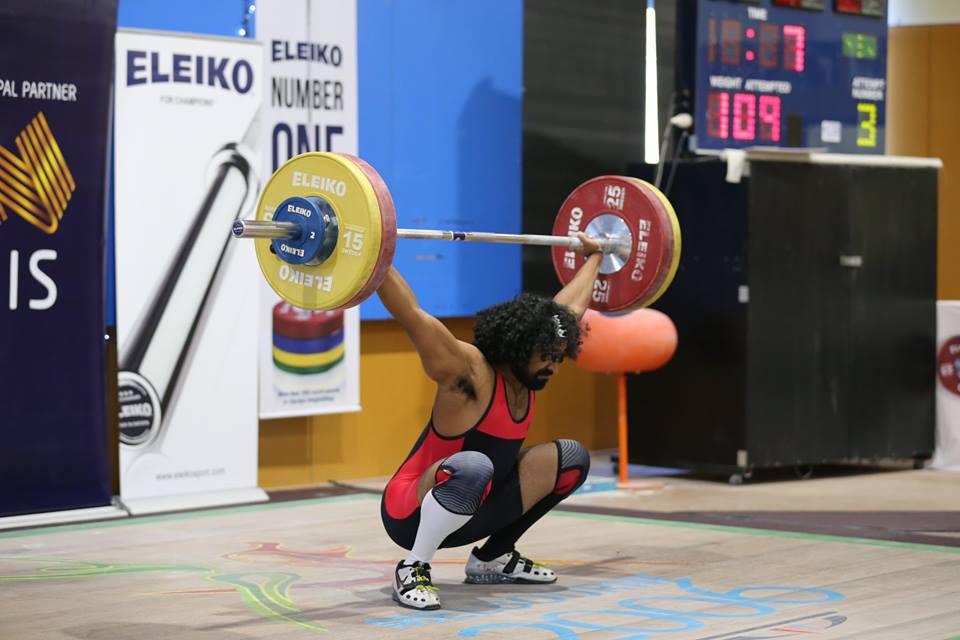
(325, 231)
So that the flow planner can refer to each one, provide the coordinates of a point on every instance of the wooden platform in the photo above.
(323, 568)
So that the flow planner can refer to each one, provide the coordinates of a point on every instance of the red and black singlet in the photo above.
(496, 434)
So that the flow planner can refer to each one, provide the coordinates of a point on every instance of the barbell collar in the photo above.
(266, 229)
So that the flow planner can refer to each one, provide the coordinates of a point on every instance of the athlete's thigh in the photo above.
(538, 472)
(403, 530)
(502, 506)
(427, 479)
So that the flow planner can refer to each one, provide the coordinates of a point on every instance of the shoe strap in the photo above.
(512, 562)
(515, 559)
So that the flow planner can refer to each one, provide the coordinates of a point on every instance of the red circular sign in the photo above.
(654, 243)
(948, 365)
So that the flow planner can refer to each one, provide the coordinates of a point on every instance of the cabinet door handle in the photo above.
(854, 262)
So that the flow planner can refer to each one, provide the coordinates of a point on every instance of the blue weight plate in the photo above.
(319, 229)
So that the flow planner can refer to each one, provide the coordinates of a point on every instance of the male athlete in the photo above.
(467, 477)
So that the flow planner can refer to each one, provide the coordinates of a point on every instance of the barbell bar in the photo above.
(325, 232)
(290, 230)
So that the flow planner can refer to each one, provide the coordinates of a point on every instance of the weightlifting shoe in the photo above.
(412, 586)
(509, 568)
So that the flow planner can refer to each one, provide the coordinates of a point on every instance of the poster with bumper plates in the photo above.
(309, 360)
(947, 453)
(186, 167)
(55, 83)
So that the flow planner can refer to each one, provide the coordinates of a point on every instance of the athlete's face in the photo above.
(538, 372)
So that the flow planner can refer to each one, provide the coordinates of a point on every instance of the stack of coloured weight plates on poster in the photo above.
(306, 342)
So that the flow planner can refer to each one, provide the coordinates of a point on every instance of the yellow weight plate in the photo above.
(677, 243)
(344, 185)
(311, 360)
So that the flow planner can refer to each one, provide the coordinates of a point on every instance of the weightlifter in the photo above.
(467, 477)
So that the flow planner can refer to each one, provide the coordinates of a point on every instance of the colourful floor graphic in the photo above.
(340, 590)
(663, 608)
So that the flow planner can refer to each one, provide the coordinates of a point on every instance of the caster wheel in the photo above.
(735, 479)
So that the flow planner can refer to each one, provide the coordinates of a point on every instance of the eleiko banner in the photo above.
(54, 132)
(186, 168)
(309, 361)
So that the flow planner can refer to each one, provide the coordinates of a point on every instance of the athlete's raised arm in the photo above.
(444, 357)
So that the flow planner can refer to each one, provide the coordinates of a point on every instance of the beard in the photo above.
(533, 381)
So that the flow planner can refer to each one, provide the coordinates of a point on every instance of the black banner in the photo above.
(56, 70)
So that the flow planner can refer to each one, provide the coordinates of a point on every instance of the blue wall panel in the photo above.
(440, 119)
(211, 17)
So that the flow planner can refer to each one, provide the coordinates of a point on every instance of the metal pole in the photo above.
(264, 229)
(622, 434)
(607, 244)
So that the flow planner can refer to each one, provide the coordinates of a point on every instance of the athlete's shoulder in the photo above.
(476, 381)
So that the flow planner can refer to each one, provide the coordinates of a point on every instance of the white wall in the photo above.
(912, 12)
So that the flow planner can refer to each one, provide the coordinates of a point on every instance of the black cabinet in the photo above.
(805, 303)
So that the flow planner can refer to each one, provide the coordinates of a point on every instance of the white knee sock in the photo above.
(436, 523)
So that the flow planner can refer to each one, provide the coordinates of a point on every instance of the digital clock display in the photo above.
(770, 75)
(792, 39)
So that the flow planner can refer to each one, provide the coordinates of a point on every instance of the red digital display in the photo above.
(718, 115)
(753, 117)
(770, 118)
(730, 37)
(767, 53)
(813, 5)
(744, 116)
(794, 47)
(849, 6)
(712, 41)
(769, 46)
(873, 8)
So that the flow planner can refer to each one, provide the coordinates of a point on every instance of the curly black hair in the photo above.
(511, 332)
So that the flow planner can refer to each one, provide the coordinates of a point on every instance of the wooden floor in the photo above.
(323, 568)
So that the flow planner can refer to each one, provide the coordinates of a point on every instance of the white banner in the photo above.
(309, 361)
(947, 454)
(185, 167)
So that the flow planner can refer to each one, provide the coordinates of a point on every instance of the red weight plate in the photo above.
(667, 268)
(948, 365)
(653, 243)
(291, 322)
(388, 234)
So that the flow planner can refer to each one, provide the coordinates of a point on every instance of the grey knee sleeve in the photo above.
(573, 465)
(463, 482)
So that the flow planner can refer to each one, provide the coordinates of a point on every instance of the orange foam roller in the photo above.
(641, 340)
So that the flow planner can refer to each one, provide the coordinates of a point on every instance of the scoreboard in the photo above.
(791, 73)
